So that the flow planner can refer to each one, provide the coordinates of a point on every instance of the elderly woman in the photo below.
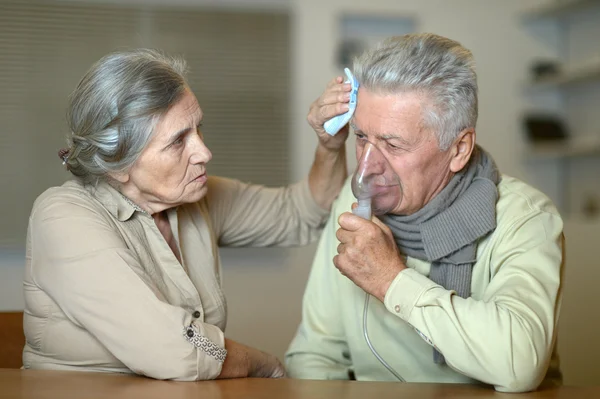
(123, 269)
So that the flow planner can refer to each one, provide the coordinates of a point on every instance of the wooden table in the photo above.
(28, 384)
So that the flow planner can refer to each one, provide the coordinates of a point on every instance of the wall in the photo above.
(264, 287)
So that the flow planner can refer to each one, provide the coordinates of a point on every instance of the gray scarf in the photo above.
(446, 230)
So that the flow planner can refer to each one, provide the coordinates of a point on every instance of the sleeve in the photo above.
(319, 349)
(83, 264)
(505, 338)
(253, 215)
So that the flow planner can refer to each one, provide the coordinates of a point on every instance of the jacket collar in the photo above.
(119, 206)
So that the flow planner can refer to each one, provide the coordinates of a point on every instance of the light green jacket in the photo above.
(503, 335)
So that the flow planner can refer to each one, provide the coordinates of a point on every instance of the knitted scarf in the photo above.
(445, 231)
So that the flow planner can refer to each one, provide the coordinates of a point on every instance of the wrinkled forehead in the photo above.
(185, 108)
(183, 114)
(383, 116)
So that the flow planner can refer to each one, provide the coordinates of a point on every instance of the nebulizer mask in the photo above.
(378, 191)
(375, 184)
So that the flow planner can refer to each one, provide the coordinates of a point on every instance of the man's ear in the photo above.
(461, 149)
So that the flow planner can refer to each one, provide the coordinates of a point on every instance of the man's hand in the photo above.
(334, 101)
(367, 254)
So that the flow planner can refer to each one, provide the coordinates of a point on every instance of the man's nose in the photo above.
(372, 160)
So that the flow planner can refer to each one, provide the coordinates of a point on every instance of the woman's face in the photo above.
(172, 168)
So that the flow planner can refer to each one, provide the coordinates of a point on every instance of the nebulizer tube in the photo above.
(378, 191)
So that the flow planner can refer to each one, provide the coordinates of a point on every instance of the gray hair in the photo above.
(437, 67)
(114, 109)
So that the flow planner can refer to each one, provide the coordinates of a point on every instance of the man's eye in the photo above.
(360, 136)
(395, 147)
(179, 141)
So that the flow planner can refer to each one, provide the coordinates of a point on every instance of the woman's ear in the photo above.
(462, 149)
(121, 177)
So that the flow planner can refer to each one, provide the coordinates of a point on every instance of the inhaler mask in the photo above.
(375, 184)
(377, 188)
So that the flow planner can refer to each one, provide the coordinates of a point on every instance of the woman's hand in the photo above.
(334, 101)
(244, 361)
(266, 366)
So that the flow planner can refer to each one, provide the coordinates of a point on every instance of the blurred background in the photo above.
(256, 65)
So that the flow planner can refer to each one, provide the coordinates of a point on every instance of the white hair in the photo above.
(439, 68)
(114, 109)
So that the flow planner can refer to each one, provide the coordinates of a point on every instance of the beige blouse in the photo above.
(104, 292)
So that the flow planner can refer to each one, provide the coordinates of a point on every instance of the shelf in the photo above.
(568, 168)
(558, 8)
(582, 75)
(575, 148)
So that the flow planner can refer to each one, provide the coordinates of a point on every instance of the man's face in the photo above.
(394, 124)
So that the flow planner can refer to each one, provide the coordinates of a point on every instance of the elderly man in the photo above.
(465, 270)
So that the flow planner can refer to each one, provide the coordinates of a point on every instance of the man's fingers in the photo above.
(344, 236)
(336, 261)
(351, 222)
(382, 226)
(378, 222)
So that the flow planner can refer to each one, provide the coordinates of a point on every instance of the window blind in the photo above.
(239, 70)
